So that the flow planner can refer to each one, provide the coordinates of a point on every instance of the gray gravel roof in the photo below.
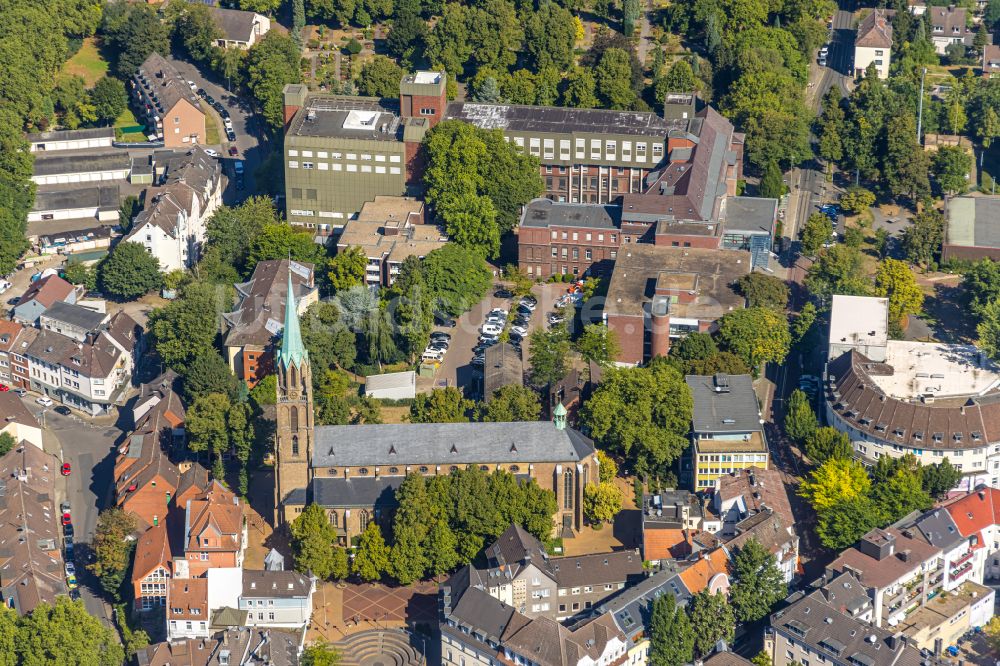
(447, 444)
(735, 410)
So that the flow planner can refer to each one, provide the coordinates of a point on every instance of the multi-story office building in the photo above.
(172, 110)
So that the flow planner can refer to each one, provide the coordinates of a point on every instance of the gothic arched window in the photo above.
(567, 490)
(295, 445)
(293, 415)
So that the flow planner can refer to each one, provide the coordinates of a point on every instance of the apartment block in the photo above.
(167, 103)
(873, 44)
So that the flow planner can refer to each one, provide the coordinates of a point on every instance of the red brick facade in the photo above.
(576, 250)
(590, 183)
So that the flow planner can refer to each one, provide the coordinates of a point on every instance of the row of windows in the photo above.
(365, 157)
(565, 235)
(351, 168)
(748, 457)
(392, 471)
(587, 254)
(599, 150)
(564, 269)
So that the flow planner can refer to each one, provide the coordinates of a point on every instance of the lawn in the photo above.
(125, 127)
(87, 62)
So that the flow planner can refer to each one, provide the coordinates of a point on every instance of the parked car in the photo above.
(440, 335)
(478, 361)
(71, 583)
(21, 392)
(233, 151)
(211, 153)
(503, 293)
(44, 401)
(202, 93)
(66, 469)
(491, 329)
(68, 530)
(64, 507)
(528, 302)
(66, 518)
(439, 345)
(441, 319)
(515, 337)
(824, 51)
(63, 409)
(231, 135)
(4, 286)
(520, 330)
(4, 388)
(193, 86)
(70, 569)
(432, 355)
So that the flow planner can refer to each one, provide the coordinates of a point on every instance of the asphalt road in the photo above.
(88, 449)
(246, 125)
(840, 61)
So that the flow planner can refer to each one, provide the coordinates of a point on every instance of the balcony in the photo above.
(961, 571)
(962, 560)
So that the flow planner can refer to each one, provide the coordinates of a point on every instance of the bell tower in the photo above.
(294, 431)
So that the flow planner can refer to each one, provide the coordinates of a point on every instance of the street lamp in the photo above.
(920, 112)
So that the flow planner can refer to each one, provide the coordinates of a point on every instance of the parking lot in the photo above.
(456, 368)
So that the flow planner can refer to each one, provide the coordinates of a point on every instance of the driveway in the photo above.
(88, 448)
(247, 126)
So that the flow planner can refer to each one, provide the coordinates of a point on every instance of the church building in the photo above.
(353, 471)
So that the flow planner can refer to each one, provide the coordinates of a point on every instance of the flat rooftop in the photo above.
(973, 221)
(633, 280)
(751, 215)
(83, 161)
(859, 320)
(753, 443)
(940, 369)
(943, 608)
(365, 118)
(103, 197)
(545, 213)
(561, 120)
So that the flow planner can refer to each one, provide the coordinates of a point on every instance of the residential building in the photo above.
(991, 61)
(215, 530)
(277, 598)
(73, 321)
(145, 478)
(256, 322)
(949, 25)
(239, 29)
(9, 330)
(168, 103)
(240, 646)
(93, 202)
(727, 431)
(31, 562)
(968, 228)
(898, 569)
(152, 568)
(40, 296)
(388, 230)
(78, 139)
(709, 572)
(873, 44)
(976, 516)
(172, 226)
(861, 324)
(353, 471)
(187, 608)
(942, 623)
(820, 627)
(81, 167)
(670, 520)
(932, 400)
(658, 293)
(20, 374)
(18, 421)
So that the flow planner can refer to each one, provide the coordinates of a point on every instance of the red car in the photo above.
(66, 469)
(66, 520)
(233, 151)
(4, 388)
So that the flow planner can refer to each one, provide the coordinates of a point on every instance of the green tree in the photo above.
(109, 98)
(471, 221)
(671, 639)
(922, 239)
(894, 280)
(762, 658)
(695, 346)
(826, 443)
(76, 272)
(7, 442)
(407, 560)
(196, 30)
(129, 272)
(613, 76)
(281, 241)
(940, 478)
(951, 166)
(65, 633)
(857, 200)
(272, 63)
(817, 231)
(839, 270)
(512, 403)
(407, 36)
(756, 335)
(411, 306)
(758, 584)
(598, 344)
(901, 493)
(834, 482)
(205, 424)
(905, 163)
(442, 549)
(112, 546)
(602, 502)
(641, 414)
(549, 37)
(380, 77)
(802, 322)
(232, 231)
(456, 278)
(347, 268)
(841, 525)
(831, 127)
(547, 355)
(188, 325)
(314, 542)
(319, 653)
(371, 559)
(989, 329)
(763, 291)
(209, 373)
(326, 337)
(800, 421)
(712, 619)
(440, 406)
(580, 90)
(772, 184)
(133, 34)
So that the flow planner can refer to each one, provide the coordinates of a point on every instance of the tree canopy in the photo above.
(129, 272)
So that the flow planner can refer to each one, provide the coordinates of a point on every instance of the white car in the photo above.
(491, 330)
(211, 153)
(824, 51)
(70, 569)
(520, 330)
(193, 86)
(44, 401)
(432, 355)
(228, 122)
(4, 286)
(530, 304)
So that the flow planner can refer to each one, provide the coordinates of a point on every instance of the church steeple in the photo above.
(292, 349)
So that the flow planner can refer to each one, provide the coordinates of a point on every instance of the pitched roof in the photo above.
(218, 510)
(8, 334)
(259, 315)
(875, 31)
(702, 574)
(293, 352)
(75, 315)
(13, 410)
(191, 176)
(152, 550)
(167, 84)
(768, 528)
(975, 511)
(236, 25)
(275, 584)
(187, 599)
(879, 573)
(47, 291)
(758, 488)
(124, 331)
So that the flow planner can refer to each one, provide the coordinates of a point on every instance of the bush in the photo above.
(353, 47)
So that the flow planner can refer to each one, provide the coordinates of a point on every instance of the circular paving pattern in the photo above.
(377, 647)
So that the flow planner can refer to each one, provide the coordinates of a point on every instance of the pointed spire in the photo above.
(292, 349)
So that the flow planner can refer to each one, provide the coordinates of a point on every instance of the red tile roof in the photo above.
(976, 511)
